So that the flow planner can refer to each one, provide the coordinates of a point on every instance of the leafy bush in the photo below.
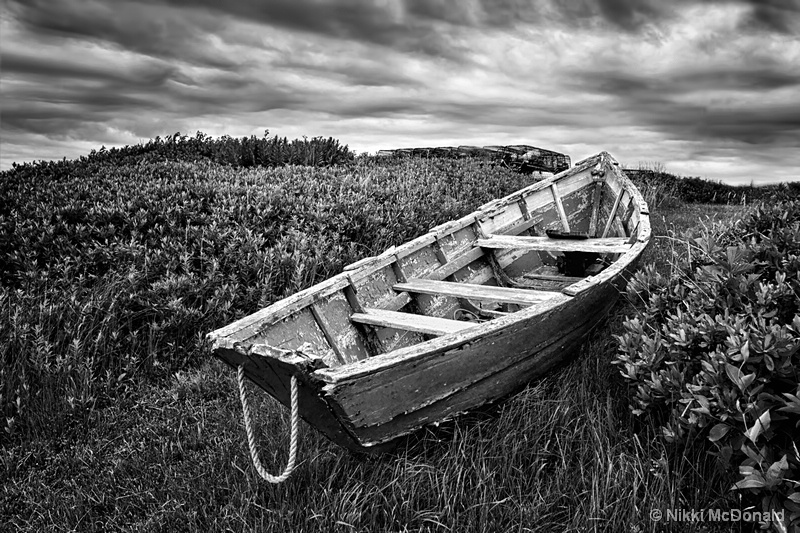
(236, 152)
(715, 350)
(115, 273)
(666, 189)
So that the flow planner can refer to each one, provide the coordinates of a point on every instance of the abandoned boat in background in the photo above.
(383, 349)
(519, 157)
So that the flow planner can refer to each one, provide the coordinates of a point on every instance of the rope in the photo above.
(251, 439)
(475, 317)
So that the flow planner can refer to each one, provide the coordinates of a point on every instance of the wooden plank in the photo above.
(552, 277)
(297, 331)
(627, 216)
(608, 245)
(334, 314)
(448, 228)
(578, 206)
(484, 293)
(560, 207)
(248, 326)
(598, 189)
(457, 242)
(437, 250)
(410, 322)
(398, 271)
(323, 326)
(373, 342)
(523, 207)
(506, 213)
(419, 263)
(402, 299)
(517, 228)
(415, 245)
(375, 262)
(633, 235)
(613, 213)
(456, 264)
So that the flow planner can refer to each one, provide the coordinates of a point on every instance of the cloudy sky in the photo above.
(707, 87)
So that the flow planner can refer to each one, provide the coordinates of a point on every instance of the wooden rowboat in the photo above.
(461, 316)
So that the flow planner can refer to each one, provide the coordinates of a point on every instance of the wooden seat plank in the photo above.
(608, 245)
(484, 293)
(410, 322)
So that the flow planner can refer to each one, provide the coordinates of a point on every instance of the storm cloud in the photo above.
(707, 87)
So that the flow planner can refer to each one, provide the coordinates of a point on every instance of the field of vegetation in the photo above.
(116, 418)
(668, 189)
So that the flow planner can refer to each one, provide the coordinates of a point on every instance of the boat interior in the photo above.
(534, 246)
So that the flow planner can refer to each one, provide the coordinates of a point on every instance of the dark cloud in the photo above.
(152, 29)
(415, 25)
(60, 110)
(680, 107)
(57, 95)
(631, 14)
(628, 85)
(452, 12)
(773, 15)
(52, 123)
(777, 124)
(152, 74)
(382, 23)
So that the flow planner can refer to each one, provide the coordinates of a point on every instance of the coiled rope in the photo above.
(251, 439)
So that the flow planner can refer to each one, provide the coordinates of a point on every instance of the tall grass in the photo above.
(657, 187)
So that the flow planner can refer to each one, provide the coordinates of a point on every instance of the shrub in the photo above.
(662, 189)
(715, 350)
(236, 152)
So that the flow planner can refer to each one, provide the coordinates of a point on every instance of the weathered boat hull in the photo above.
(365, 385)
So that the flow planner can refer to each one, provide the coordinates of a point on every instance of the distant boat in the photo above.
(464, 315)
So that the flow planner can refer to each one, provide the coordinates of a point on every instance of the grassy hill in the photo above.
(116, 417)
(669, 188)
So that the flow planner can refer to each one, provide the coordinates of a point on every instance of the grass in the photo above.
(562, 455)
